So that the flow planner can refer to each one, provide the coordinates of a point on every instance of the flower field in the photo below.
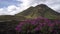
(39, 26)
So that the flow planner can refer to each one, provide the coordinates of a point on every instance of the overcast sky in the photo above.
(11, 7)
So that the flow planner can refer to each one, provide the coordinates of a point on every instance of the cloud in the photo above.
(10, 10)
(13, 9)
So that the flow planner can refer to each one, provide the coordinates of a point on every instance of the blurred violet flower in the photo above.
(37, 28)
(40, 22)
(18, 29)
(51, 24)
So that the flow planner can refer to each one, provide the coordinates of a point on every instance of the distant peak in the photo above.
(41, 5)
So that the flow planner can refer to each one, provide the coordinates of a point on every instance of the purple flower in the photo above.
(34, 22)
(40, 23)
(51, 24)
(37, 28)
(18, 29)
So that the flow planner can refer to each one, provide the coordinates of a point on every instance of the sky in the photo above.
(12, 7)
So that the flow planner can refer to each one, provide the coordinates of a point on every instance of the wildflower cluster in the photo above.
(43, 25)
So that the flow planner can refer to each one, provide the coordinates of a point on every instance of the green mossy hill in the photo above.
(40, 10)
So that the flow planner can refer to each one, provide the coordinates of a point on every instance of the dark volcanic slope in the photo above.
(40, 10)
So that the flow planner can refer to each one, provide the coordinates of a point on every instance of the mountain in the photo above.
(39, 10)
